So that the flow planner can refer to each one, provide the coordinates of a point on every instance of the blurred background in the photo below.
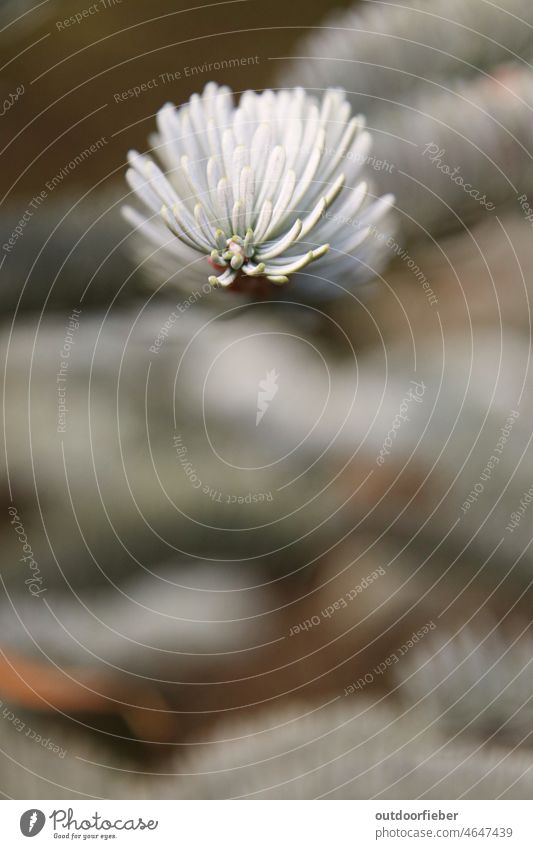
(333, 602)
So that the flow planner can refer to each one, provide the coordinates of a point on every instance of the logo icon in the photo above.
(267, 390)
(32, 822)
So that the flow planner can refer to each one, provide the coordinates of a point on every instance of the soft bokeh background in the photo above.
(212, 644)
